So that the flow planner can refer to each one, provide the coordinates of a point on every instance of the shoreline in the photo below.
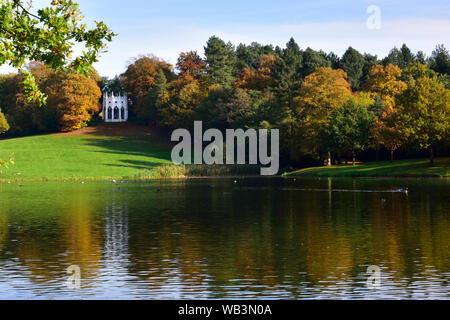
(288, 177)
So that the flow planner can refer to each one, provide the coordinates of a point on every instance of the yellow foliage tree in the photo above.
(385, 83)
(322, 92)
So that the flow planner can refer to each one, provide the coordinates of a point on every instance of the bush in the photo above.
(4, 126)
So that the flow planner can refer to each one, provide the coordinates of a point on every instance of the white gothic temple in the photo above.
(115, 108)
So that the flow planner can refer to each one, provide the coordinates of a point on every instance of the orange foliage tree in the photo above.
(75, 99)
(140, 78)
(191, 66)
(258, 79)
(386, 131)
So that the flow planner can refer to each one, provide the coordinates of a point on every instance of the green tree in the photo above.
(50, 36)
(158, 99)
(420, 57)
(334, 60)
(111, 85)
(348, 128)
(394, 57)
(440, 60)
(249, 56)
(287, 73)
(424, 110)
(352, 63)
(220, 61)
(400, 57)
(370, 61)
(313, 60)
(407, 56)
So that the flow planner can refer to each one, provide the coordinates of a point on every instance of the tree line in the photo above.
(328, 108)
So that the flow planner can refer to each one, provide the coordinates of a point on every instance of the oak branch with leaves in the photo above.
(50, 36)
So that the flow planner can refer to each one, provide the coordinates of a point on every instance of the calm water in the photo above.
(257, 238)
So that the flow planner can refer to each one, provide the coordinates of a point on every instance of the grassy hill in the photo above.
(127, 151)
(400, 168)
(107, 151)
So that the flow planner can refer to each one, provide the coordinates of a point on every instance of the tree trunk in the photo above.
(431, 156)
(354, 157)
(329, 159)
(377, 154)
(392, 155)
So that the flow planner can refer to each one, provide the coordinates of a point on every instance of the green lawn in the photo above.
(126, 151)
(400, 168)
(96, 154)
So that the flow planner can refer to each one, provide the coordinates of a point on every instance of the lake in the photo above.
(255, 238)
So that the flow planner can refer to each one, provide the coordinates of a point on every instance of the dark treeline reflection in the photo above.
(254, 238)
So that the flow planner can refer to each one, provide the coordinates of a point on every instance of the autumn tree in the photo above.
(424, 109)
(139, 79)
(191, 66)
(325, 89)
(386, 130)
(178, 106)
(48, 35)
(385, 83)
(322, 92)
(26, 117)
(75, 99)
(257, 79)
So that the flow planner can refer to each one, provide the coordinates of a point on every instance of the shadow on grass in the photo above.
(136, 164)
(129, 146)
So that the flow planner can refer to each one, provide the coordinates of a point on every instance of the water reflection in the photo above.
(258, 238)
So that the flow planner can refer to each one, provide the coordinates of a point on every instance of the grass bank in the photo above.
(105, 152)
(400, 168)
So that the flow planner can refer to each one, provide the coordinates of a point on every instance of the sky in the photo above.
(167, 27)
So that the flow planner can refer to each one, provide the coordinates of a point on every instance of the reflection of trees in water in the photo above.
(48, 239)
(4, 221)
(247, 238)
(115, 234)
(188, 237)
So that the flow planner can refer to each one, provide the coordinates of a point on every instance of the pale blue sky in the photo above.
(167, 27)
